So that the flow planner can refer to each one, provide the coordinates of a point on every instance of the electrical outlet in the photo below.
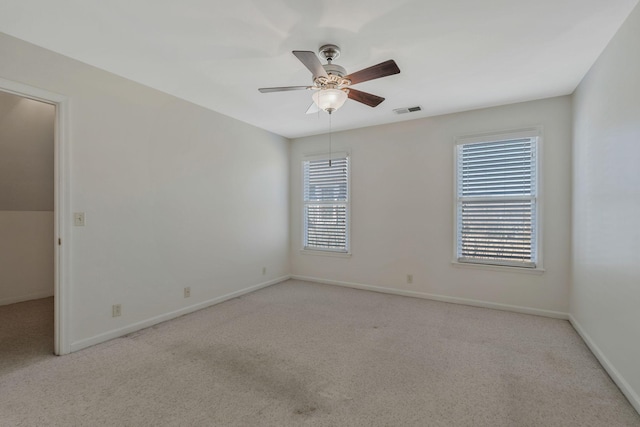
(264, 270)
(78, 219)
(187, 292)
(409, 278)
(116, 310)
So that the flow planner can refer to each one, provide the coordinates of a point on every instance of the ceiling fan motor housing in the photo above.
(334, 79)
(335, 69)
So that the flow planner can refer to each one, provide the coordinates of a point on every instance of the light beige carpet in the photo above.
(26, 334)
(303, 354)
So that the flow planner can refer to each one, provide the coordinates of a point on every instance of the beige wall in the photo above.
(402, 208)
(26, 255)
(26, 154)
(605, 297)
(175, 195)
(26, 198)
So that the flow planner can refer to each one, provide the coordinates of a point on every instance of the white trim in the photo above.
(28, 297)
(63, 232)
(505, 135)
(325, 253)
(116, 333)
(494, 267)
(624, 386)
(326, 156)
(61, 205)
(540, 200)
(31, 92)
(442, 298)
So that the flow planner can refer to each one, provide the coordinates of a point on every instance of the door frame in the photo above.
(61, 208)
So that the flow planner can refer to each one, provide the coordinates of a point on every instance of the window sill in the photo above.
(520, 270)
(326, 253)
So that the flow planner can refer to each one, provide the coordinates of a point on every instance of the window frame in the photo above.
(319, 251)
(532, 132)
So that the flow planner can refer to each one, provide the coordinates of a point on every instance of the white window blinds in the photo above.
(326, 204)
(497, 196)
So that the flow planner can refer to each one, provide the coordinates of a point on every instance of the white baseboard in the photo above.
(28, 297)
(115, 333)
(624, 386)
(443, 298)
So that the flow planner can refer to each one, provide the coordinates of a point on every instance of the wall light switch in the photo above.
(78, 219)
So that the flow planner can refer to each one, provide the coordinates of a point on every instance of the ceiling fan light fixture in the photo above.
(329, 100)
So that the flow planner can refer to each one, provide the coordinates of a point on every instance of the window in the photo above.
(326, 204)
(497, 203)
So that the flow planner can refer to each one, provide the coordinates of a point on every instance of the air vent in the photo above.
(407, 110)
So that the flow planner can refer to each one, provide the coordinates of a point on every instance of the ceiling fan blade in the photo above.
(313, 108)
(282, 89)
(382, 69)
(311, 61)
(365, 98)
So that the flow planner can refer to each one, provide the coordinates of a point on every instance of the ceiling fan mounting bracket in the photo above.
(330, 52)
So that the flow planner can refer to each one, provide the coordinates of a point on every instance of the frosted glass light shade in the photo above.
(329, 99)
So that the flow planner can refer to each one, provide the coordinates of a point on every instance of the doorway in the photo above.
(33, 195)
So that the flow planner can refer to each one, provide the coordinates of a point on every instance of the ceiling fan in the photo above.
(332, 84)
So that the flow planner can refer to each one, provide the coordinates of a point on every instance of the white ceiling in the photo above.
(455, 55)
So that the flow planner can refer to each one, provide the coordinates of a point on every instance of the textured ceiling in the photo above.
(455, 55)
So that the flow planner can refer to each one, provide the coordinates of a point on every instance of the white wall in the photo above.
(605, 297)
(26, 199)
(402, 207)
(175, 195)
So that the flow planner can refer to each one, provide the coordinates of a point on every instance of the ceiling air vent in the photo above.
(407, 110)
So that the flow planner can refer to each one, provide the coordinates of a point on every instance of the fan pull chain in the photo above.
(329, 138)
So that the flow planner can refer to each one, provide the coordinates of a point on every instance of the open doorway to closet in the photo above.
(27, 253)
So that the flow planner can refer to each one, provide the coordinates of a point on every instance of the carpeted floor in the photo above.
(26, 335)
(298, 354)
